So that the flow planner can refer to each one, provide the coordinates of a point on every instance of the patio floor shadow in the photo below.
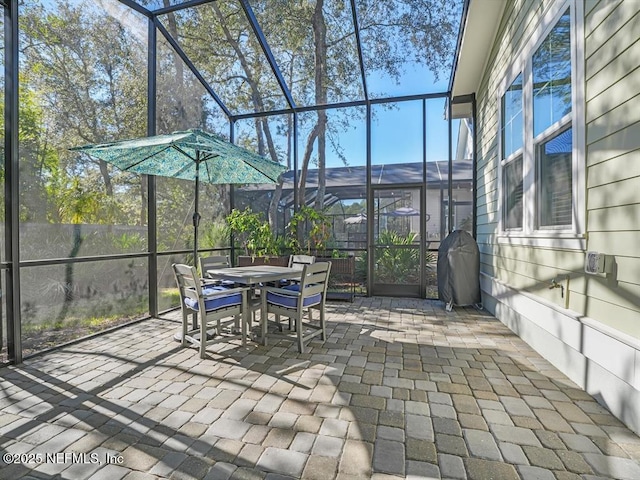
(400, 389)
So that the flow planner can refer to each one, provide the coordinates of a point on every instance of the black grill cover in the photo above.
(459, 269)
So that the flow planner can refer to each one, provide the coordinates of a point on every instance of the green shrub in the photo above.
(308, 231)
(253, 232)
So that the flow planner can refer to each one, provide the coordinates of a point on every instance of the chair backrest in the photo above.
(314, 280)
(188, 282)
(213, 262)
(301, 260)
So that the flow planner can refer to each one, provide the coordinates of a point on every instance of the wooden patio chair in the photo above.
(301, 260)
(214, 307)
(296, 261)
(212, 262)
(297, 301)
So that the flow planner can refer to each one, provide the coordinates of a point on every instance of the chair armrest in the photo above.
(281, 291)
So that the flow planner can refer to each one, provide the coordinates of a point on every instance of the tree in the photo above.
(93, 90)
(89, 90)
(314, 43)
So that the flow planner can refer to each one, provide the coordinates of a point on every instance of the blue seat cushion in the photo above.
(289, 301)
(216, 303)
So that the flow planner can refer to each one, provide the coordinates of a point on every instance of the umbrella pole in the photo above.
(196, 214)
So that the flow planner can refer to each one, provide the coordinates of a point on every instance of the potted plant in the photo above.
(309, 232)
(254, 235)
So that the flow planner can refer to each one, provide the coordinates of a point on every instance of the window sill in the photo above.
(563, 241)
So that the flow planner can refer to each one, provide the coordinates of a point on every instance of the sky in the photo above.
(396, 130)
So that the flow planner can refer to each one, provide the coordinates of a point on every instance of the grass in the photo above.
(44, 334)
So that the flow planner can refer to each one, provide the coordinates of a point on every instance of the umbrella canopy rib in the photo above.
(273, 180)
(138, 162)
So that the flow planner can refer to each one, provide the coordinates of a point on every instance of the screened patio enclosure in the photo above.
(357, 108)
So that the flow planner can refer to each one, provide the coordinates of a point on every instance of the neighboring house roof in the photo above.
(386, 174)
(350, 182)
(479, 31)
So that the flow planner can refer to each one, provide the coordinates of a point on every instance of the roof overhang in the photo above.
(478, 34)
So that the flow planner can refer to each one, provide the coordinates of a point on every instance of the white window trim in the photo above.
(515, 154)
(530, 234)
(503, 164)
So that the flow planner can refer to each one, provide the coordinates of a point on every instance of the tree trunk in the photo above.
(143, 199)
(273, 206)
(290, 141)
(305, 164)
(320, 41)
(179, 93)
(104, 171)
(256, 123)
(262, 125)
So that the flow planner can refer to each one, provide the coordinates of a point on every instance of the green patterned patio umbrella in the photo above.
(191, 155)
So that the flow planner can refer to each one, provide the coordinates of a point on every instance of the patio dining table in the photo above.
(255, 275)
(251, 276)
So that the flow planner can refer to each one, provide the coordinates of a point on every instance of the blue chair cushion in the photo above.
(292, 302)
(217, 302)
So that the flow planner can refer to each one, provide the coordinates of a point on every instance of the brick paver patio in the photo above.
(400, 389)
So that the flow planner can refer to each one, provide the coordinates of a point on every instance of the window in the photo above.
(552, 76)
(540, 180)
(554, 181)
(513, 194)
(512, 118)
(551, 71)
(512, 155)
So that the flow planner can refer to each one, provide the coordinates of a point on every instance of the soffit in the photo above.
(482, 21)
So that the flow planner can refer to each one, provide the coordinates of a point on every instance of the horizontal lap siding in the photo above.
(624, 89)
(519, 22)
(613, 37)
(618, 68)
(533, 269)
(620, 193)
(610, 313)
(624, 295)
(618, 243)
(487, 185)
(606, 219)
(615, 169)
(612, 50)
(619, 143)
(612, 110)
(622, 117)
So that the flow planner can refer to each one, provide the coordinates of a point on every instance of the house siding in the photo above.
(612, 73)
(603, 309)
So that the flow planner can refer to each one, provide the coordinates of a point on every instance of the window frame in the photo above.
(512, 157)
(511, 162)
(566, 237)
(538, 160)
